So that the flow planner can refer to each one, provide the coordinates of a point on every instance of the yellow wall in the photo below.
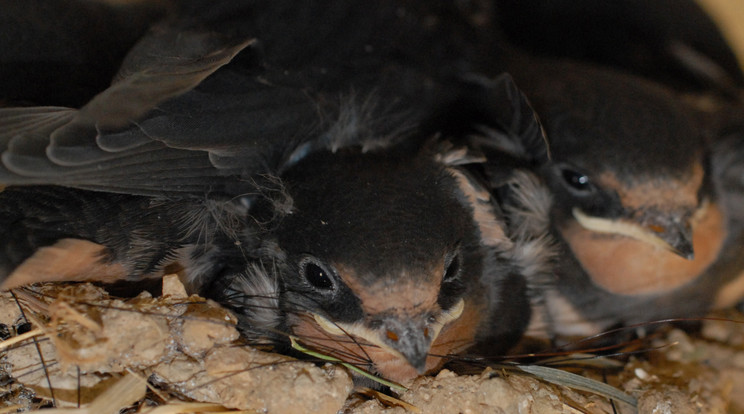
(730, 17)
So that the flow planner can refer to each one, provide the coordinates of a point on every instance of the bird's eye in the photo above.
(453, 269)
(317, 276)
(577, 180)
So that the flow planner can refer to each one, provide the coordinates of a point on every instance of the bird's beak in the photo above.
(672, 235)
(677, 237)
(409, 337)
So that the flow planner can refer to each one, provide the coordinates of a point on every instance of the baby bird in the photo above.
(329, 188)
(644, 121)
(643, 200)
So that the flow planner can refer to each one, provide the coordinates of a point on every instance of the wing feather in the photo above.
(101, 145)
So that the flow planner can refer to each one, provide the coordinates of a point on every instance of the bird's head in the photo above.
(394, 257)
(379, 255)
(659, 211)
(629, 178)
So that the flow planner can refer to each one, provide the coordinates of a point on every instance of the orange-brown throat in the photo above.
(382, 350)
(401, 325)
(628, 266)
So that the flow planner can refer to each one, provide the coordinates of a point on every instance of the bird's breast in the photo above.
(731, 293)
(66, 260)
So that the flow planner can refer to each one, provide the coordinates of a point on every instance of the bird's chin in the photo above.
(360, 352)
(625, 265)
(397, 369)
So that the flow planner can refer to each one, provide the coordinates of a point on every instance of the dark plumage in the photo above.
(643, 197)
(319, 168)
(672, 42)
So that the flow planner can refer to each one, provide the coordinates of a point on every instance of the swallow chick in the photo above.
(394, 265)
(396, 262)
(645, 230)
(389, 260)
(344, 204)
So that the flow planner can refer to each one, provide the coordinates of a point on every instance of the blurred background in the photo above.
(728, 13)
(730, 17)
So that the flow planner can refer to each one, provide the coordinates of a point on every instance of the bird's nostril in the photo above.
(392, 335)
(656, 228)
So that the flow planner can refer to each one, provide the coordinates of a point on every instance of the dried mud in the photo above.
(189, 350)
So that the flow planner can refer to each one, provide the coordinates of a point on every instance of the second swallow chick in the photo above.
(641, 207)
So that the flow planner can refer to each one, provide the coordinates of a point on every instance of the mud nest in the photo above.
(74, 345)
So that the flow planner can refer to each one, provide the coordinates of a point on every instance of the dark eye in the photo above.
(317, 276)
(577, 180)
(452, 270)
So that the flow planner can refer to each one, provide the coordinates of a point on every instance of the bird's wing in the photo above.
(509, 133)
(195, 110)
(161, 127)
